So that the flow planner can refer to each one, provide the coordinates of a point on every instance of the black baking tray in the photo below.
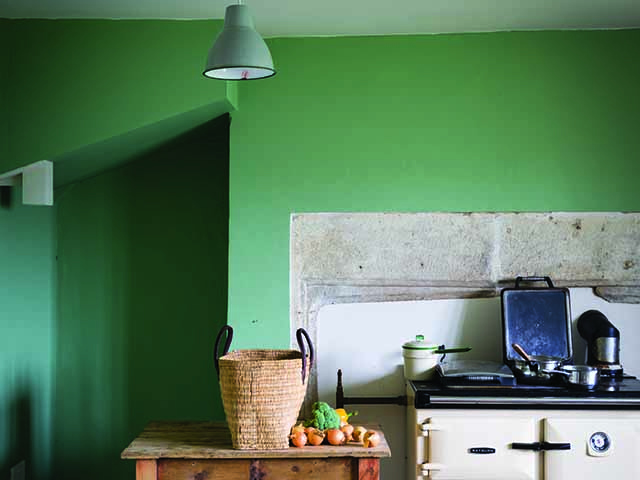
(537, 318)
(458, 373)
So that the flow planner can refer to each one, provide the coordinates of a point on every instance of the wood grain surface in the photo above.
(211, 440)
(146, 470)
(226, 469)
(368, 469)
(258, 469)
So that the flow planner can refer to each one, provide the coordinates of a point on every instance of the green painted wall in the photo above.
(77, 82)
(142, 282)
(4, 70)
(480, 122)
(143, 249)
(26, 335)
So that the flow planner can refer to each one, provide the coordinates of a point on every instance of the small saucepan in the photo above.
(421, 358)
(577, 375)
(535, 365)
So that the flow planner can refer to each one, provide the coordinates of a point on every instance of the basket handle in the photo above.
(301, 332)
(227, 344)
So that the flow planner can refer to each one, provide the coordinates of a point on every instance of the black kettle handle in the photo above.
(301, 332)
(534, 279)
(227, 344)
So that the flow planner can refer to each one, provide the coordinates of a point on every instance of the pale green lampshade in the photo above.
(239, 52)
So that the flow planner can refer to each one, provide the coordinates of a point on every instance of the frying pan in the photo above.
(535, 365)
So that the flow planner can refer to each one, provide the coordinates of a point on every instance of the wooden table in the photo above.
(203, 451)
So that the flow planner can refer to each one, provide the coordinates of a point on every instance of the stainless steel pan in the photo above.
(535, 365)
(577, 375)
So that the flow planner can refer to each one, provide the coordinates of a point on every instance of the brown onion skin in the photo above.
(348, 432)
(371, 439)
(298, 439)
(335, 436)
(358, 434)
(315, 436)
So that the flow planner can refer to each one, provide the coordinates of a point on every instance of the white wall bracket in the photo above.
(36, 180)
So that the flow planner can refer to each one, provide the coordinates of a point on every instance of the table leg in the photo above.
(369, 469)
(146, 470)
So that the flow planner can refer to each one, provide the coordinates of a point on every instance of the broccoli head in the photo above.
(324, 417)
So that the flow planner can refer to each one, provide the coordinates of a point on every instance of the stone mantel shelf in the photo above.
(381, 257)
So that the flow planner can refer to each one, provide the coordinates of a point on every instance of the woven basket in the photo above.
(262, 392)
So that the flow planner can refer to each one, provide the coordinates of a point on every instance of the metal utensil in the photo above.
(577, 375)
(534, 365)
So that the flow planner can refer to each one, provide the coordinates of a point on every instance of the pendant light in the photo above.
(239, 52)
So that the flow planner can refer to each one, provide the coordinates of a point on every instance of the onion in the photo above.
(371, 439)
(358, 434)
(348, 432)
(315, 436)
(299, 439)
(335, 436)
(297, 428)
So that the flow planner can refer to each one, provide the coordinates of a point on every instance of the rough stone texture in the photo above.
(376, 257)
(392, 246)
(590, 249)
(619, 294)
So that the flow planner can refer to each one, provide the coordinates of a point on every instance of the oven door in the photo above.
(601, 448)
(476, 446)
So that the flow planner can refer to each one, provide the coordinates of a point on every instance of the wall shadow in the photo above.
(26, 337)
(142, 291)
(5, 197)
(17, 425)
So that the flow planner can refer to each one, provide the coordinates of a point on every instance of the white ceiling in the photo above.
(357, 17)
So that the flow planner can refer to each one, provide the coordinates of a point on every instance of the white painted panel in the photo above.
(365, 340)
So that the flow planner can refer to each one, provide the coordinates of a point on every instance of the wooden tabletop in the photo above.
(198, 440)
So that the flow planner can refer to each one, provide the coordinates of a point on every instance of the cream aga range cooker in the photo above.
(524, 421)
(524, 432)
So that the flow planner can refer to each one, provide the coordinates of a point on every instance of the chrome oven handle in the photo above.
(426, 469)
(425, 428)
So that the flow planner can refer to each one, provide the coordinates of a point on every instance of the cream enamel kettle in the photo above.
(421, 358)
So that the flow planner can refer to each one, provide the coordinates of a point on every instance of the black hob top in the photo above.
(610, 393)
